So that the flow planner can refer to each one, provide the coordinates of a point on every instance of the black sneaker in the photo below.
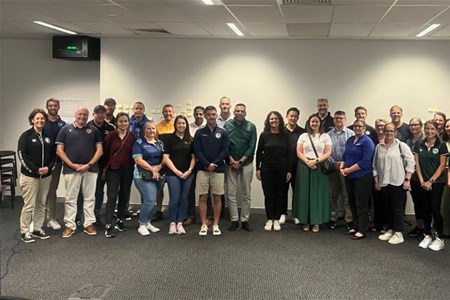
(246, 226)
(40, 234)
(332, 224)
(120, 226)
(234, 225)
(416, 232)
(128, 217)
(27, 237)
(109, 231)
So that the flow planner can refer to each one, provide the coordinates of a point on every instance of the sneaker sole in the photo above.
(28, 241)
(90, 233)
(203, 233)
(41, 237)
(68, 236)
(217, 233)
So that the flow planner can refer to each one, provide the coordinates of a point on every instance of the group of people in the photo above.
(326, 163)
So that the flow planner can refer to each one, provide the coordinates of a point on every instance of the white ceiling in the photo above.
(342, 19)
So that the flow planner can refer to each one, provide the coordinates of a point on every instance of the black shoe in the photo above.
(349, 225)
(246, 226)
(355, 237)
(40, 234)
(350, 232)
(109, 231)
(120, 226)
(234, 225)
(332, 224)
(158, 215)
(416, 232)
(27, 237)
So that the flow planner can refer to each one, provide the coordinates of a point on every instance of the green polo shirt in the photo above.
(429, 159)
(242, 139)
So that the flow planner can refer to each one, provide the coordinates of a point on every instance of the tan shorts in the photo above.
(206, 180)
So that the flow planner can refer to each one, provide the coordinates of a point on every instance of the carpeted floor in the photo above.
(290, 264)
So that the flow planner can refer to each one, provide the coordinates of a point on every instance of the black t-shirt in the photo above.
(403, 132)
(180, 152)
(293, 139)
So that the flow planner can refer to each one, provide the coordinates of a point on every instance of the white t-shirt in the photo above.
(319, 140)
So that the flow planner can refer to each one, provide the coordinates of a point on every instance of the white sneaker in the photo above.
(296, 221)
(386, 236)
(143, 230)
(397, 238)
(172, 228)
(53, 224)
(180, 228)
(426, 242)
(152, 228)
(282, 219)
(216, 230)
(437, 244)
(276, 225)
(268, 226)
(203, 230)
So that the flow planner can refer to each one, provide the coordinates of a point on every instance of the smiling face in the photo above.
(292, 118)
(414, 126)
(322, 107)
(81, 116)
(38, 121)
(314, 124)
(211, 117)
(390, 132)
(123, 123)
(240, 113)
(396, 114)
(53, 108)
(180, 125)
(199, 116)
(168, 113)
(440, 121)
(359, 128)
(339, 121)
(225, 105)
(379, 127)
(150, 130)
(361, 114)
(274, 122)
(447, 127)
(430, 130)
(138, 110)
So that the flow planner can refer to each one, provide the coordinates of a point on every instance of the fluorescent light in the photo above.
(235, 29)
(430, 28)
(208, 2)
(54, 27)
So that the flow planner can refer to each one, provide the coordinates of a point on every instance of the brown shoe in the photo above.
(306, 227)
(68, 232)
(315, 228)
(188, 222)
(90, 230)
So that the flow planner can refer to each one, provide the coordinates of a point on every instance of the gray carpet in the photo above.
(289, 264)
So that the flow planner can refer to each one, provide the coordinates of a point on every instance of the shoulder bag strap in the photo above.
(314, 147)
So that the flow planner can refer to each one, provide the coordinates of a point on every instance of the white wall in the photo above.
(276, 74)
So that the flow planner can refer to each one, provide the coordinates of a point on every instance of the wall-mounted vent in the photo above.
(307, 2)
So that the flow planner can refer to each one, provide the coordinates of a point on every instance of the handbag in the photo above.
(327, 167)
(146, 175)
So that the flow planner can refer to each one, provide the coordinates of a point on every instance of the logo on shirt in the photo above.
(60, 124)
(367, 132)
(47, 140)
(33, 140)
(88, 131)
(218, 135)
(435, 150)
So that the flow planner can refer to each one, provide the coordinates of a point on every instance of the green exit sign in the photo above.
(72, 48)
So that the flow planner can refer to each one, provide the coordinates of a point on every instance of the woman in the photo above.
(379, 209)
(311, 204)
(148, 155)
(118, 146)
(415, 126)
(430, 155)
(439, 118)
(379, 128)
(180, 159)
(446, 195)
(393, 164)
(273, 168)
(357, 168)
(37, 155)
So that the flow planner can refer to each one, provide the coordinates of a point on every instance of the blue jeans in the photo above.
(179, 197)
(149, 192)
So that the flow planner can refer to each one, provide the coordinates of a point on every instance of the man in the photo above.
(339, 136)
(110, 106)
(211, 145)
(138, 119)
(403, 132)
(79, 146)
(199, 122)
(294, 131)
(105, 128)
(225, 111)
(165, 128)
(242, 136)
(326, 120)
(53, 126)
(361, 114)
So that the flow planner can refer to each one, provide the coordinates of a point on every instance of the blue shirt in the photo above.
(54, 127)
(339, 139)
(152, 153)
(211, 146)
(137, 127)
(360, 153)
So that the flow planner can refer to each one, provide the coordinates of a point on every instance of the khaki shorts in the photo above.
(206, 180)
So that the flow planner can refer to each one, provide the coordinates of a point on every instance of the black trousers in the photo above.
(415, 195)
(379, 210)
(430, 202)
(275, 192)
(392, 197)
(358, 191)
(118, 185)
(292, 184)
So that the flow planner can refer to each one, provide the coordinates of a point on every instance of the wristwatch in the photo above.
(406, 179)
(241, 162)
(431, 180)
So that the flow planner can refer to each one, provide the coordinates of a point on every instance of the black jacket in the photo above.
(36, 151)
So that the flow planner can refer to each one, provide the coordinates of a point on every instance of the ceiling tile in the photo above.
(205, 13)
(358, 14)
(394, 30)
(269, 30)
(257, 14)
(411, 14)
(249, 2)
(443, 32)
(443, 18)
(308, 30)
(103, 28)
(351, 30)
(190, 29)
(217, 29)
(157, 12)
(307, 14)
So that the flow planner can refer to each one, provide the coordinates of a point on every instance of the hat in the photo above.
(99, 109)
(110, 101)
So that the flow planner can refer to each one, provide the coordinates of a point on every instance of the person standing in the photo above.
(211, 144)
(273, 168)
(239, 172)
(293, 131)
(118, 146)
(339, 136)
(356, 166)
(312, 196)
(393, 165)
(361, 114)
(79, 146)
(110, 107)
(439, 118)
(53, 126)
(225, 111)
(138, 119)
(403, 132)
(36, 150)
(326, 120)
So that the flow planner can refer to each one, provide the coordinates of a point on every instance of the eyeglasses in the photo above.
(389, 131)
(358, 126)
(414, 125)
